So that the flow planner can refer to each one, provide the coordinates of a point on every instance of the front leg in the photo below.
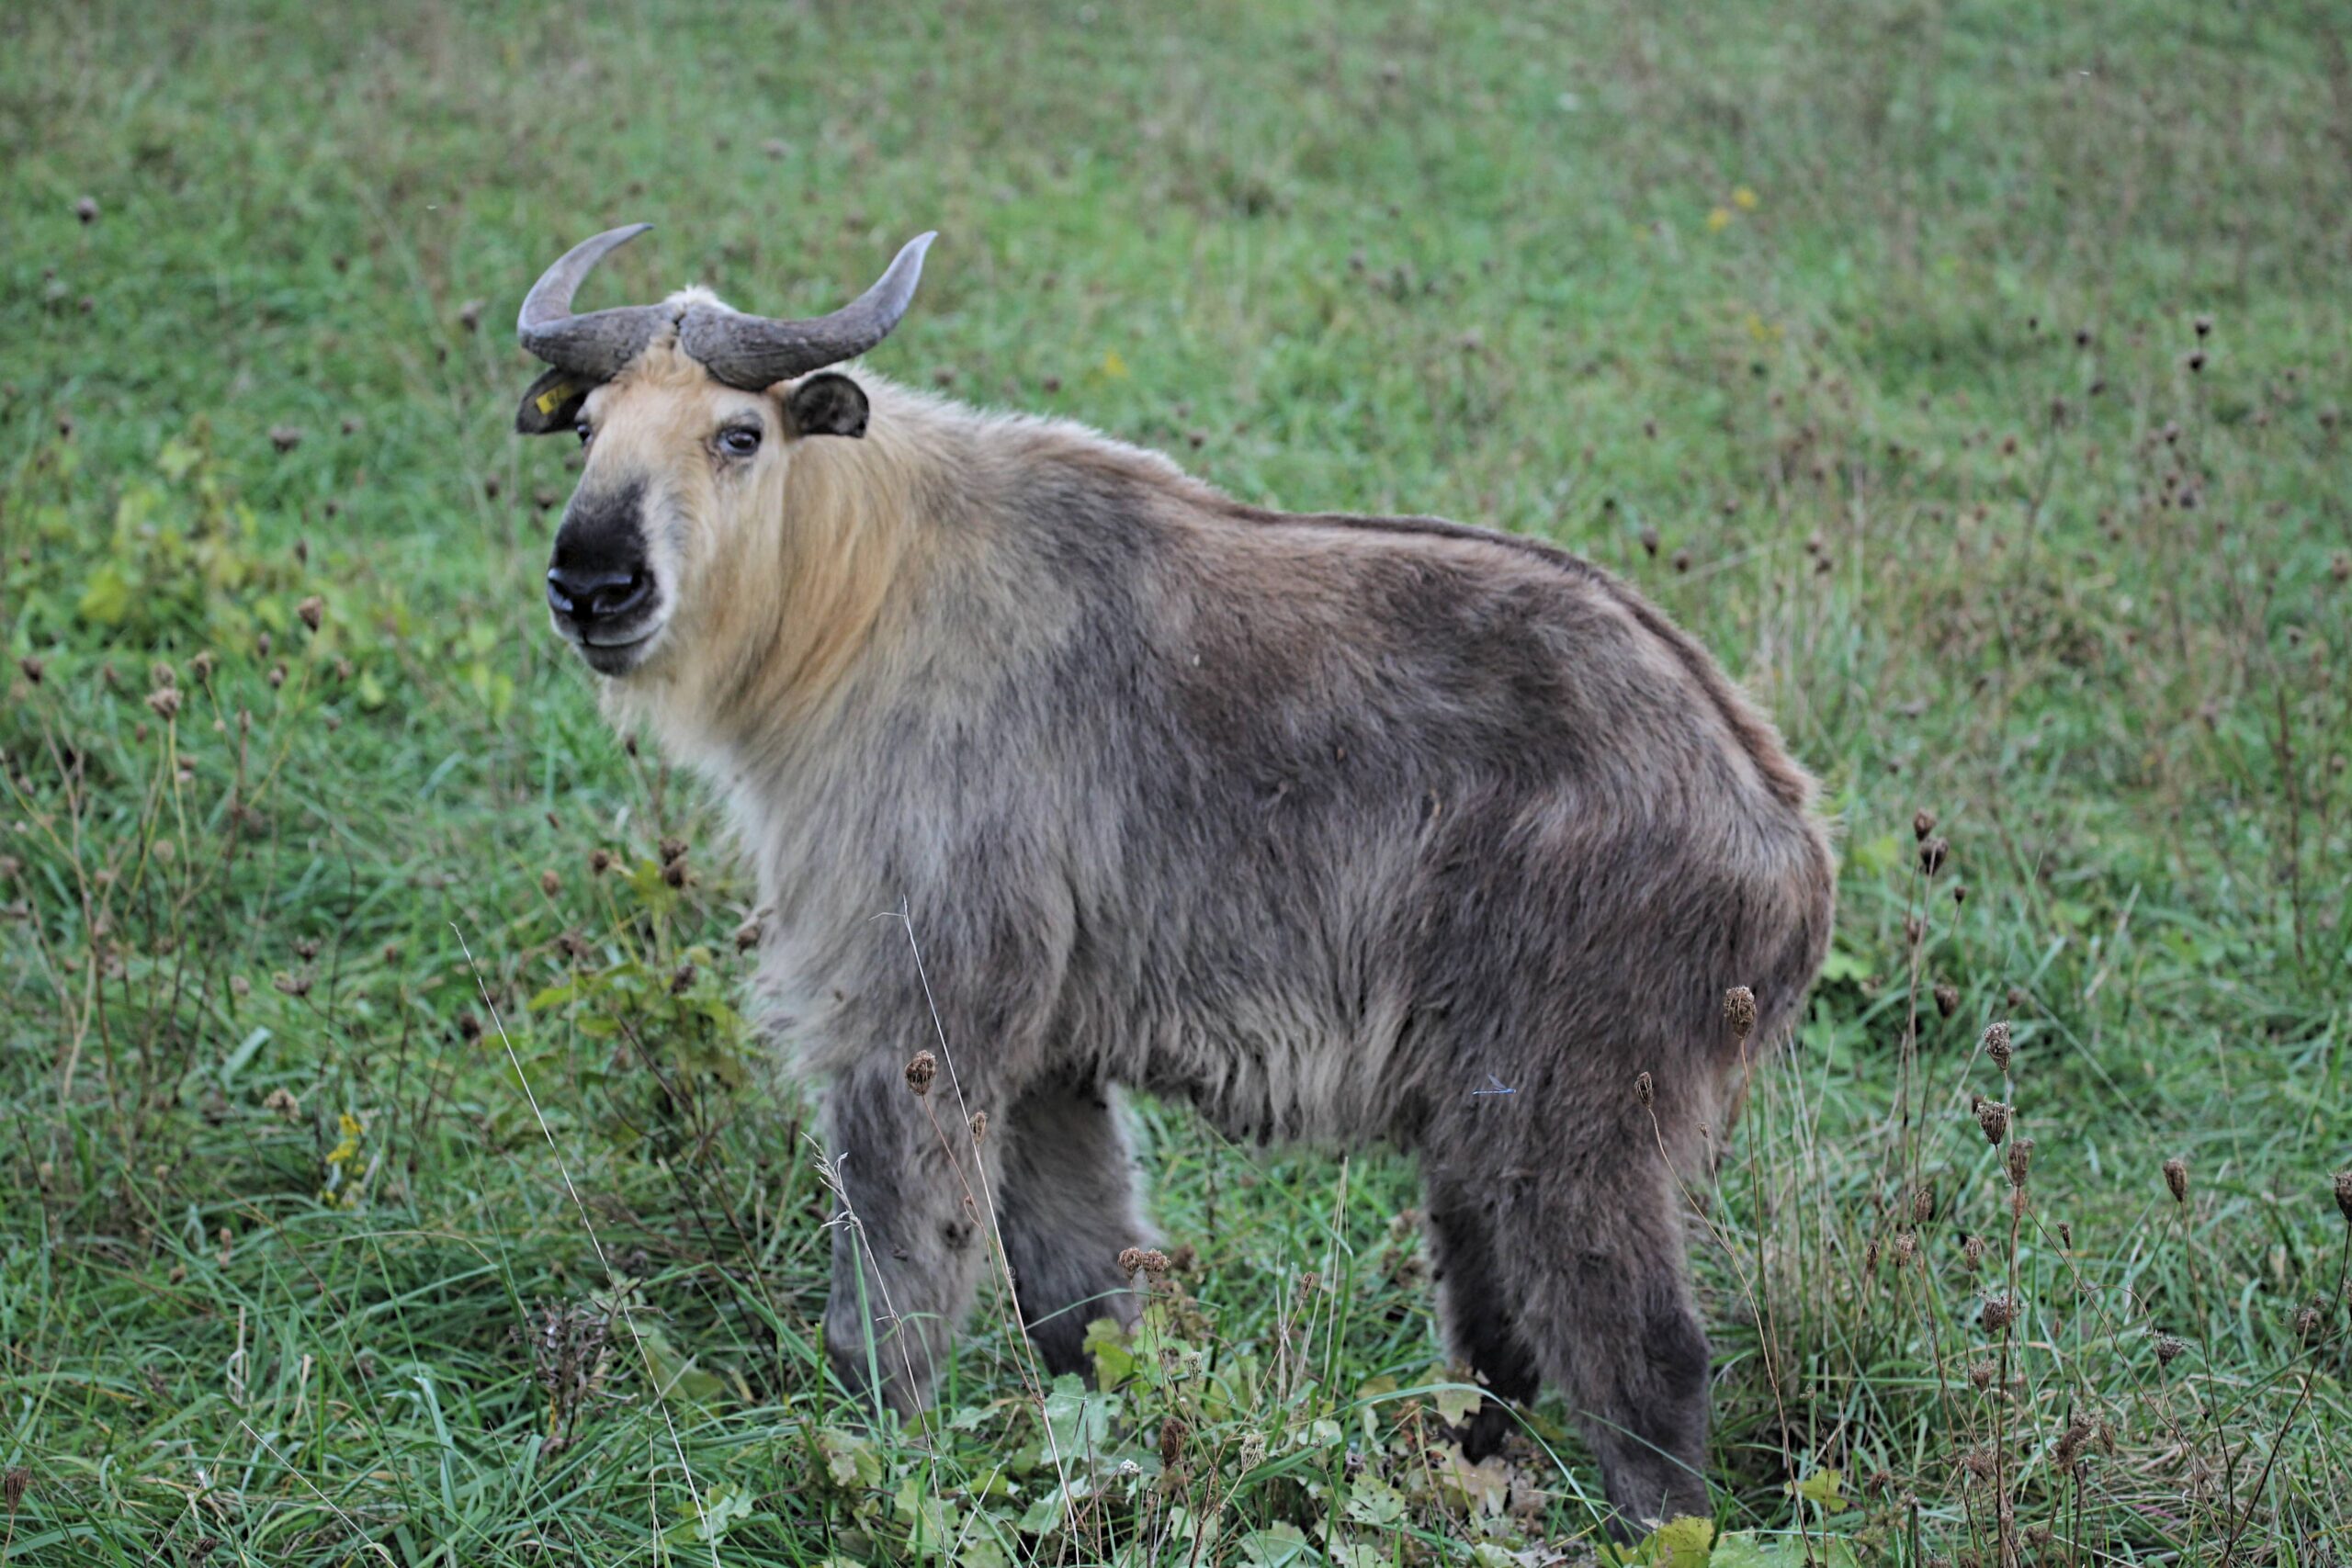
(1066, 1209)
(909, 1242)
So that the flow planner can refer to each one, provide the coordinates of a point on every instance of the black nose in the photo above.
(589, 594)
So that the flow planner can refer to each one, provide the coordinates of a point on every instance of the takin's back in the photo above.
(1331, 813)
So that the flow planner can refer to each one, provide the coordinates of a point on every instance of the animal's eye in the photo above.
(738, 441)
(583, 431)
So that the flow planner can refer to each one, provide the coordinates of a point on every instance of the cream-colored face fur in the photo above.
(677, 470)
(770, 549)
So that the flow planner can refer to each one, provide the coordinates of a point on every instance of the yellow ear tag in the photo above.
(547, 402)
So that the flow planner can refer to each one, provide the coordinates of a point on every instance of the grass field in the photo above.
(1969, 377)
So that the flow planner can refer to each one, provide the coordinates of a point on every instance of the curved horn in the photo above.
(596, 344)
(753, 351)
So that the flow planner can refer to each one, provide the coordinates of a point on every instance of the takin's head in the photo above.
(689, 410)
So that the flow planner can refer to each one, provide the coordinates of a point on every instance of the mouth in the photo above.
(609, 651)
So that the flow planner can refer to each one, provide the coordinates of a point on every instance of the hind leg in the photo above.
(1065, 1206)
(1604, 1299)
(1476, 1311)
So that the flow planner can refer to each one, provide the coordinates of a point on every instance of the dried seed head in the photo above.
(2344, 1194)
(165, 701)
(1923, 1205)
(1947, 997)
(2168, 1350)
(1960, 893)
(683, 981)
(202, 665)
(1739, 1011)
(1923, 822)
(1906, 1247)
(1933, 852)
(2018, 999)
(2309, 1325)
(1869, 1256)
(1971, 1253)
(747, 935)
(921, 1071)
(674, 848)
(1130, 1259)
(1155, 1264)
(284, 437)
(2066, 1234)
(1982, 1375)
(14, 1484)
(1993, 1116)
(1999, 1313)
(87, 210)
(1172, 1433)
(281, 1102)
(1645, 1093)
(2072, 1440)
(1683, 560)
(2204, 325)
(312, 610)
(2177, 1179)
(1995, 1043)
(2020, 1160)
(979, 1125)
(675, 873)
(550, 882)
(32, 666)
(470, 314)
(599, 862)
(1915, 929)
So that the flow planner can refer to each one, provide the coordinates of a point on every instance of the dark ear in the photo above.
(552, 403)
(826, 405)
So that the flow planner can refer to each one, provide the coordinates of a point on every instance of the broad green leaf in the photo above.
(850, 1460)
(1115, 1359)
(1747, 1549)
(1277, 1546)
(1824, 1486)
(1455, 1402)
(106, 597)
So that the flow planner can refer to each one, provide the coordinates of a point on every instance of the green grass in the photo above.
(1775, 309)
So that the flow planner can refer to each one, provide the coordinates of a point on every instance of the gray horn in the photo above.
(600, 342)
(753, 351)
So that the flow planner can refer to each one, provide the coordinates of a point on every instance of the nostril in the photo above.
(591, 595)
(620, 598)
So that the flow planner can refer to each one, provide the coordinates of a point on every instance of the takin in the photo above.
(1321, 823)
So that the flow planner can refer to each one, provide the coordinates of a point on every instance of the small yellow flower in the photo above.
(344, 1174)
(1744, 199)
(1718, 220)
